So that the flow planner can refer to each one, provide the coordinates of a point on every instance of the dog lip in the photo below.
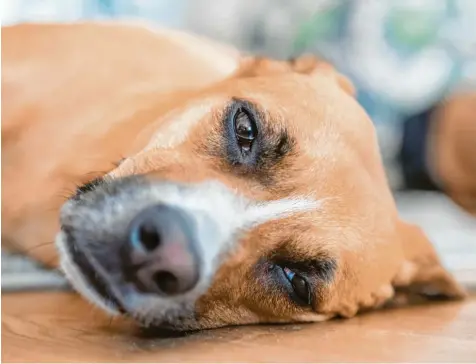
(92, 276)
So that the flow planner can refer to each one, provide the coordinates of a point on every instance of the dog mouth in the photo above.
(96, 282)
(93, 278)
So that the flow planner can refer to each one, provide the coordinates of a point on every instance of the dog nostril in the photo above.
(148, 236)
(166, 282)
(159, 255)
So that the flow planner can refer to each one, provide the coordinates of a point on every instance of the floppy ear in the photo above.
(421, 271)
(254, 66)
(310, 64)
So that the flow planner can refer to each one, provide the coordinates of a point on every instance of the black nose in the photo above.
(159, 255)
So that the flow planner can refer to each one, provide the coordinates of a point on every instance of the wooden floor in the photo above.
(61, 327)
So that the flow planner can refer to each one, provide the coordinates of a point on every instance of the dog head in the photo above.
(259, 199)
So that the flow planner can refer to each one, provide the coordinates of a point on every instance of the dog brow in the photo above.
(178, 125)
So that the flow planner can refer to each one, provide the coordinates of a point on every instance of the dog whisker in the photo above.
(41, 245)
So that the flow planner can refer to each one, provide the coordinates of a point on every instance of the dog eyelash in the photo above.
(88, 187)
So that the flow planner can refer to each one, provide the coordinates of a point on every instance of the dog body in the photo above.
(267, 173)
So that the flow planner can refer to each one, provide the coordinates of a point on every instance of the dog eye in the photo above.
(245, 130)
(299, 284)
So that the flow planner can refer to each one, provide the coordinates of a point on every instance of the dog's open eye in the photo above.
(300, 286)
(245, 140)
(245, 130)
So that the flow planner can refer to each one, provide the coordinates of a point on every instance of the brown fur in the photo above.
(79, 98)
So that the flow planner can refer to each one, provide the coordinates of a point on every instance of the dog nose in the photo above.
(160, 255)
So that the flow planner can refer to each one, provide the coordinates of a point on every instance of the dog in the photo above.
(215, 188)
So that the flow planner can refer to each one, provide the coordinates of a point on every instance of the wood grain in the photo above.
(61, 327)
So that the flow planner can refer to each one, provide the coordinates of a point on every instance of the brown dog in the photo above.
(215, 189)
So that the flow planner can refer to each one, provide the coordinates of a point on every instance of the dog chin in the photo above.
(147, 312)
(78, 280)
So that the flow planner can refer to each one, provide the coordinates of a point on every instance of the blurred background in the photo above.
(402, 55)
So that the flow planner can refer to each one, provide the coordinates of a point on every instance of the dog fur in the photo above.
(143, 110)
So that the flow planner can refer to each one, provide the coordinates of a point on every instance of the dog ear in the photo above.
(310, 64)
(254, 66)
(421, 271)
(306, 64)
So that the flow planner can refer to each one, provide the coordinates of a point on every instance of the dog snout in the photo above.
(160, 256)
